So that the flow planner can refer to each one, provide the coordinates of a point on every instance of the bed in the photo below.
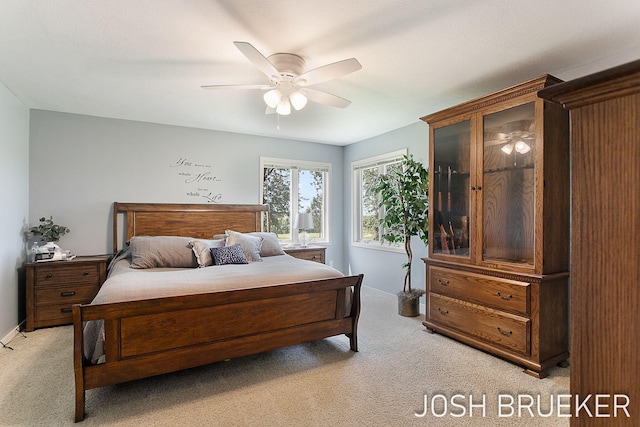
(142, 336)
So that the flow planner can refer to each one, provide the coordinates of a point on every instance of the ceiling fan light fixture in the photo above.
(298, 100)
(289, 80)
(507, 149)
(272, 98)
(283, 108)
(522, 147)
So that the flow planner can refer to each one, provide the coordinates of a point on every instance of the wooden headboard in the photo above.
(192, 220)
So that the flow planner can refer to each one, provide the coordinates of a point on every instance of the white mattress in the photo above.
(128, 284)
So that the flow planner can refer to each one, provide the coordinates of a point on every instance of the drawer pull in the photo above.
(66, 310)
(505, 333)
(443, 312)
(49, 275)
(85, 273)
(506, 298)
(443, 282)
(67, 294)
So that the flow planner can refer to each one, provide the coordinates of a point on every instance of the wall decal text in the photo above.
(199, 178)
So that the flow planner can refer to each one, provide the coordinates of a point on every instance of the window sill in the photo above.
(378, 247)
(292, 245)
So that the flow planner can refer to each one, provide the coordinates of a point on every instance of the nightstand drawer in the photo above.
(66, 294)
(310, 254)
(58, 312)
(88, 273)
(504, 329)
(503, 294)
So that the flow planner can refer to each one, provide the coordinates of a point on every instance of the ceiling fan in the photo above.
(289, 81)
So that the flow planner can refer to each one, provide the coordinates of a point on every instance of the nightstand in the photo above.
(311, 253)
(54, 286)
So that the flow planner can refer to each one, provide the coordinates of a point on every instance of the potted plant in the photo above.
(404, 201)
(48, 230)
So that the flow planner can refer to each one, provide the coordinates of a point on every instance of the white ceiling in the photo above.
(146, 59)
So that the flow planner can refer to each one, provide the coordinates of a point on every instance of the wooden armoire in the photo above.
(497, 270)
(605, 251)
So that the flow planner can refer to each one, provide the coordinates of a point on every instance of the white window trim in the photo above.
(356, 200)
(306, 165)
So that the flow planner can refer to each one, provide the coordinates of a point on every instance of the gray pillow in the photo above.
(202, 250)
(228, 255)
(270, 244)
(250, 245)
(161, 251)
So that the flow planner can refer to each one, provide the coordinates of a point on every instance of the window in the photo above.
(366, 231)
(295, 186)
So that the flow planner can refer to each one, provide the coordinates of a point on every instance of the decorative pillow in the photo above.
(250, 245)
(270, 244)
(228, 255)
(202, 251)
(161, 251)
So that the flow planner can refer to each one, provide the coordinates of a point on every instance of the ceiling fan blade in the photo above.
(259, 60)
(328, 72)
(324, 98)
(261, 87)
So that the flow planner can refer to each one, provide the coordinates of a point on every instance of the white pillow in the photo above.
(250, 245)
(202, 250)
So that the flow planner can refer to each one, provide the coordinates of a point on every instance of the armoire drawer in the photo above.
(500, 328)
(502, 294)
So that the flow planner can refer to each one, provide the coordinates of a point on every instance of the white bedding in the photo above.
(128, 284)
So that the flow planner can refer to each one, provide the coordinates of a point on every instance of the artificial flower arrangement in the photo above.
(48, 230)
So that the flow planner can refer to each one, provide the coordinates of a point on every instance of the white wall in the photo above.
(80, 165)
(14, 193)
(383, 269)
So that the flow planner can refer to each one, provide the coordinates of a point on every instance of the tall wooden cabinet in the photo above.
(605, 224)
(497, 270)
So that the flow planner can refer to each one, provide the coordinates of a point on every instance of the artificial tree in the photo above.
(404, 203)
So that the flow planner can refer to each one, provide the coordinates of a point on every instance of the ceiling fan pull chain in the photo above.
(278, 118)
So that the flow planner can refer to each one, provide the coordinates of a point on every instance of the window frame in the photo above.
(356, 199)
(305, 165)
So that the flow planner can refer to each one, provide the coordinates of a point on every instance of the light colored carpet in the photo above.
(316, 384)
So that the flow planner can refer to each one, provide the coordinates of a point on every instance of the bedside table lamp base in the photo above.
(305, 222)
(304, 239)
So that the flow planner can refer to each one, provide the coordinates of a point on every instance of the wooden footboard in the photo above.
(152, 337)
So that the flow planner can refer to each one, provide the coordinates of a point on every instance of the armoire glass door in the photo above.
(450, 187)
(508, 189)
